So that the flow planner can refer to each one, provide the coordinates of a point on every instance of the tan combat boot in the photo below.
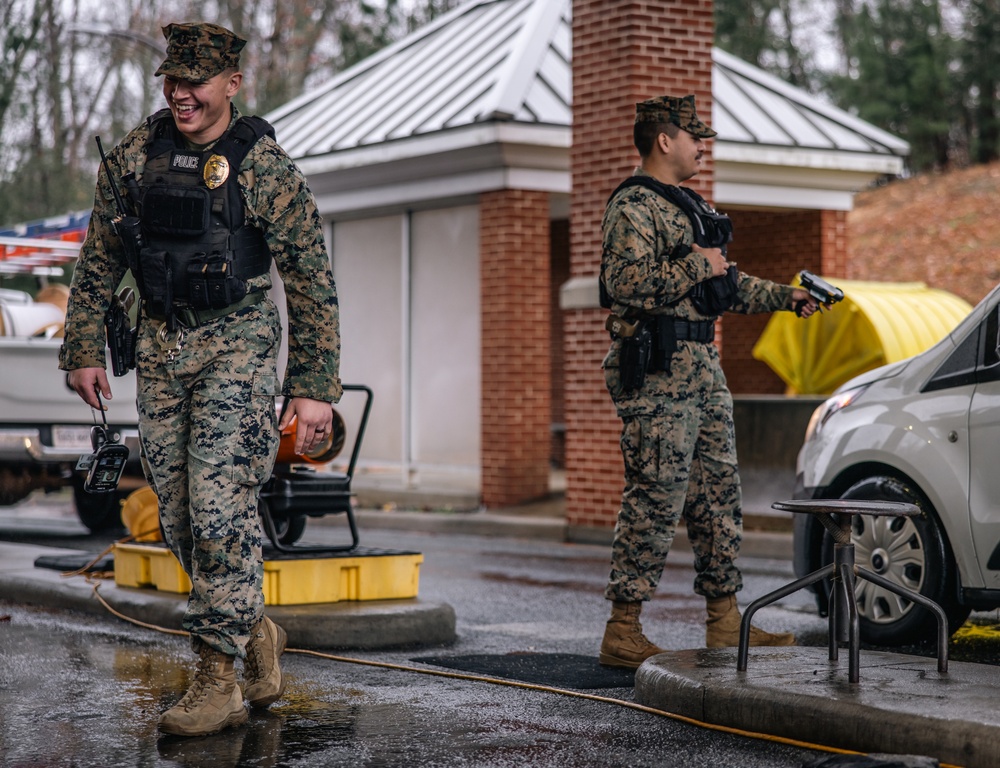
(624, 645)
(722, 628)
(213, 701)
(261, 671)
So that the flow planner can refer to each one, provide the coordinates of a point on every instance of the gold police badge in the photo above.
(216, 171)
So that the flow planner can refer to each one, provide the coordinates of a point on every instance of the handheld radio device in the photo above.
(106, 464)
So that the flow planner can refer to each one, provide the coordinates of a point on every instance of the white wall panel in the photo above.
(367, 269)
(445, 334)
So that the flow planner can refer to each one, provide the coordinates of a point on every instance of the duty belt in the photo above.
(193, 318)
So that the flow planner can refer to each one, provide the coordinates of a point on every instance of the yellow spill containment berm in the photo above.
(361, 574)
(875, 324)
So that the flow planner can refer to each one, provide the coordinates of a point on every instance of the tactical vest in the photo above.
(198, 249)
(711, 230)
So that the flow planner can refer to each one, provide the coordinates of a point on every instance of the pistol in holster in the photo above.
(634, 358)
(647, 344)
(121, 334)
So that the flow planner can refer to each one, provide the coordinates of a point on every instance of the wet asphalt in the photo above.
(86, 690)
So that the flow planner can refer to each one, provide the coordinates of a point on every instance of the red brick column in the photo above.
(833, 239)
(516, 365)
(624, 51)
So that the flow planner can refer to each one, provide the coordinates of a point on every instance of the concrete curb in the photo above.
(320, 626)
(901, 705)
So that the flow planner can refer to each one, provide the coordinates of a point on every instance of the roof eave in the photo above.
(787, 177)
(452, 166)
(552, 137)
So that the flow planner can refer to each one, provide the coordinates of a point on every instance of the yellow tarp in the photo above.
(875, 324)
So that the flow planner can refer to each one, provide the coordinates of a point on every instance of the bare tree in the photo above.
(72, 69)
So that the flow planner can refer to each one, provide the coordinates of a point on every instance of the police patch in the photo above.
(185, 161)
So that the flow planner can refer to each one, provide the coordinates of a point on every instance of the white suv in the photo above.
(925, 430)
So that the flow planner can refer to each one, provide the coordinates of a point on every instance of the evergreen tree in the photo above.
(896, 74)
(981, 78)
(764, 33)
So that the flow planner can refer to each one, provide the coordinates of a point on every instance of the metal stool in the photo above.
(835, 516)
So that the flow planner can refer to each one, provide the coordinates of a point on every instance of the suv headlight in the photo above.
(836, 403)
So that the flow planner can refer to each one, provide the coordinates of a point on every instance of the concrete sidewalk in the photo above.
(901, 705)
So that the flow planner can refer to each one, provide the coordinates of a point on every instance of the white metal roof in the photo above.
(485, 60)
(755, 107)
(511, 60)
(481, 98)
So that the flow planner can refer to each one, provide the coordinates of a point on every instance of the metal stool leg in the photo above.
(854, 636)
(916, 597)
(843, 554)
(837, 599)
(795, 586)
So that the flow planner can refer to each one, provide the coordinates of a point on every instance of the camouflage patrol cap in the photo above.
(198, 52)
(678, 110)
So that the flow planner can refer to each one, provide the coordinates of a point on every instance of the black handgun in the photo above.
(819, 289)
(121, 334)
(636, 352)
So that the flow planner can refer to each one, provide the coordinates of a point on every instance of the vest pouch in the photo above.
(157, 278)
(197, 284)
(176, 211)
(717, 294)
(212, 284)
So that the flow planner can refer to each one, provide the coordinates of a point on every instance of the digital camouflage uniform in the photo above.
(207, 417)
(678, 440)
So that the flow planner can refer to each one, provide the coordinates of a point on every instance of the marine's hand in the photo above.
(804, 303)
(315, 422)
(715, 258)
(86, 381)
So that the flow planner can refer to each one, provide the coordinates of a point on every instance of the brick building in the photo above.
(462, 174)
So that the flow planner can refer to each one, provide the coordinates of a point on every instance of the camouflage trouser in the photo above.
(209, 433)
(678, 443)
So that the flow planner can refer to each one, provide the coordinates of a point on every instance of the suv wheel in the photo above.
(910, 551)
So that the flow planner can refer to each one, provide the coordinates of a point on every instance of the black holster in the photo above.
(636, 353)
(121, 337)
(665, 344)
(650, 348)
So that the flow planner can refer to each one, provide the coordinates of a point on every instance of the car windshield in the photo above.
(976, 315)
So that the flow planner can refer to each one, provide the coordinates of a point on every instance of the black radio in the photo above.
(106, 464)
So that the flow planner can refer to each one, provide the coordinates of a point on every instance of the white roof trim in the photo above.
(795, 157)
(478, 135)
